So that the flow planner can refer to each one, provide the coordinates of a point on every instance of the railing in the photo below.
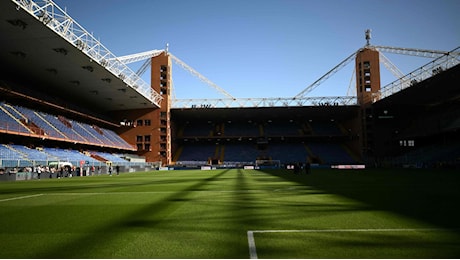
(264, 102)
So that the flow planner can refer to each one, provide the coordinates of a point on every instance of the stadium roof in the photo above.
(265, 114)
(54, 65)
(440, 88)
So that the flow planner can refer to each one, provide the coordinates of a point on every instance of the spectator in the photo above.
(307, 167)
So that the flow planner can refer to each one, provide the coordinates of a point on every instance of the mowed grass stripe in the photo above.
(253, 247)
(197, 193)
(354, 243)
(206, 214)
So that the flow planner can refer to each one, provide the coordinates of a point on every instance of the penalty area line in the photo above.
(252, 242)
(22, 197)
(252, 245)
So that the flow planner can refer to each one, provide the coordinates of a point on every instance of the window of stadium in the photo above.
(366, 64)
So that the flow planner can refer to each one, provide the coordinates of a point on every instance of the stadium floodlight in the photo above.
(368, 37)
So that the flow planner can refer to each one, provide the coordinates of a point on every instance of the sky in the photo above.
(268, 48)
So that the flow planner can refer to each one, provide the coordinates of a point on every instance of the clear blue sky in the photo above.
(268, 48)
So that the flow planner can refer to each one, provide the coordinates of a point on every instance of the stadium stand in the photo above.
(235, 128)
(325, 127)
(40, 123)
(197, 129)
(7, 153)
(104, 156)
(330, 153)
(198, 152)
(282, 129)
(288, 152)
(21, 156)
(235, 142)
(69, 155)
(235, 152)
(9, 121)
(31, 154)
(47, 114)
(25, 152)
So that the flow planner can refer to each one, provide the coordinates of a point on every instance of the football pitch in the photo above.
(404, 213)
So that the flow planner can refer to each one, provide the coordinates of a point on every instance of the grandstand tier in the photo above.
(232, 136)
(46, 126)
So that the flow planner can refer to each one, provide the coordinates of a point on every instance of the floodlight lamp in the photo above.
(368, 36)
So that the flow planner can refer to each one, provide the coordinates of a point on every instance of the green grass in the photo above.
(207, 214)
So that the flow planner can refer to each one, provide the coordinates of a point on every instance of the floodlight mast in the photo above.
(318, 82)
(390, 66)
(201, 77)
(147, 55)
(454, 58)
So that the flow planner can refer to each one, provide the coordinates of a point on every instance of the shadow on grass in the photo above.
(430, 196)
(81, 184)
(146, 218)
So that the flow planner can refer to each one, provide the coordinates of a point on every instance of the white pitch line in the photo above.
(22, 197)
(252, 245)
(252, 242)
(350, 230)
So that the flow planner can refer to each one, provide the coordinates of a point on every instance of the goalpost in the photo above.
(268, 164)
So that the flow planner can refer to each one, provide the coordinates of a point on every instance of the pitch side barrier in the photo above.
(204, 165)
(25, 173)
(257, 165)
